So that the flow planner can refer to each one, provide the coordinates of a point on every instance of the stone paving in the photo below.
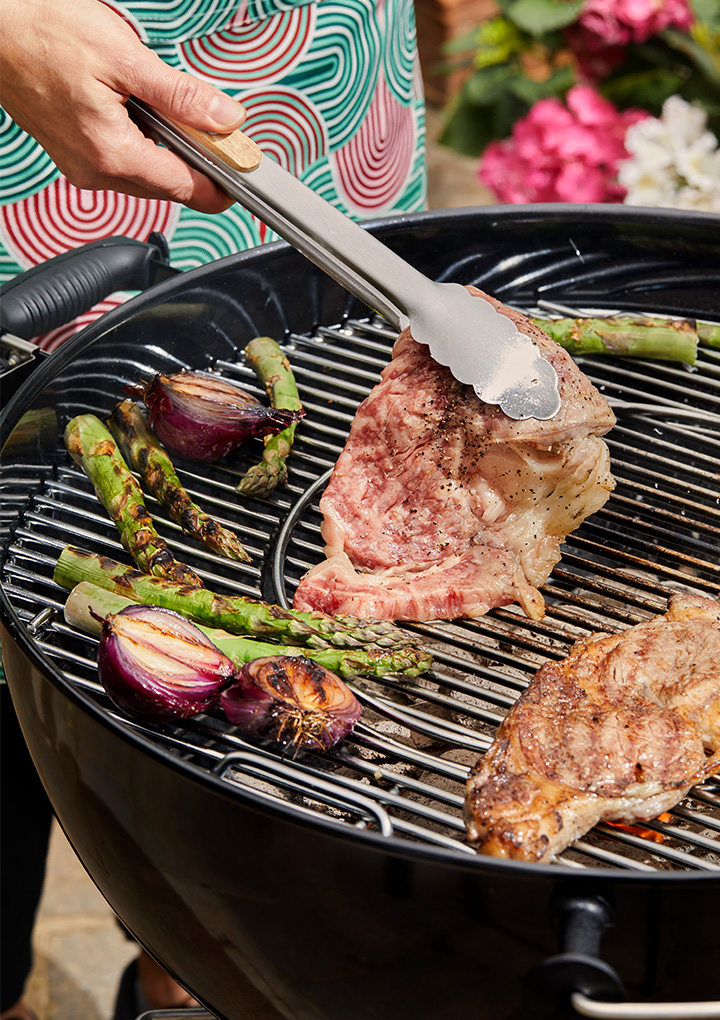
(80, 950)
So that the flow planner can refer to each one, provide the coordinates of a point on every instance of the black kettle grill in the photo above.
(340, 887)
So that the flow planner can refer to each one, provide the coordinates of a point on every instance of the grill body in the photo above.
(262, 906)
(264, 916)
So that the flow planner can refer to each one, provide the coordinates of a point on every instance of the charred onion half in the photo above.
(155, 665)
(293, 700)
(203, 417)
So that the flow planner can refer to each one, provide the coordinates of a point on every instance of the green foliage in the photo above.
(647, 89)
(708, 12)
(491, 101)
(522, 55)
(702, 49)
(483, 113)
(497, 40)
(556, 84)
(538, 17)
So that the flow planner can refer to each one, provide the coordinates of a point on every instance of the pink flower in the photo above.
(606, 27)
(599, 26)
(618, 22)
(561, 152)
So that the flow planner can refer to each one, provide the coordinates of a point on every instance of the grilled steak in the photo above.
(618, 731)
(440, 506)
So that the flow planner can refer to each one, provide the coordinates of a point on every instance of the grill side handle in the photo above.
(576, 983)
(55, 292)
(582, 919)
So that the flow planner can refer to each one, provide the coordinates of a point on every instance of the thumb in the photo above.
(185, 98)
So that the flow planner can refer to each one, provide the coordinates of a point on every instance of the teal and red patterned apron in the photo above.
(333, 93)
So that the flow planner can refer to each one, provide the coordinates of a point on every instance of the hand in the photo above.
(67, 70)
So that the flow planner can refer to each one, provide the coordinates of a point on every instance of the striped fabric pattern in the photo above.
(333, 93)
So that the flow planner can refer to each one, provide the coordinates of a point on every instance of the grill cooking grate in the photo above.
(401, 773)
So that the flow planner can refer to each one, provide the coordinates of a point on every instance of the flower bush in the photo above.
(593, 101)
(602, 23)
(562, 151)
(673, 160)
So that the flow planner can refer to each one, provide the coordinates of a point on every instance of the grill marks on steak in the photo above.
(440, 506)
(618, 731)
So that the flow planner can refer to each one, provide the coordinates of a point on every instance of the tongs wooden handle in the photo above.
(482, 347)
(236, 149)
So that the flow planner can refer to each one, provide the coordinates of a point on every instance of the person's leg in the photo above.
(26, 820)
(144, 986)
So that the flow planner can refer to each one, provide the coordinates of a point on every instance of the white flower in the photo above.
(685, 123)
(699, 164)
(674, 160)
(647, 185)
(701, 201)
(650, 143)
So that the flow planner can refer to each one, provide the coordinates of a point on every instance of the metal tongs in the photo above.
(480, 346)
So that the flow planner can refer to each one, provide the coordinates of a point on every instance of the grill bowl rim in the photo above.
(489, 216)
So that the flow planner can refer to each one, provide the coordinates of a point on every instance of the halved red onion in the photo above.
(293, 700)
(203, 417)
(156, 665)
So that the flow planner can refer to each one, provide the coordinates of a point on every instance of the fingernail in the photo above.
(226, 112)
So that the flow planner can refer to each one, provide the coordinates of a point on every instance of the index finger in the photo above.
(152, 171)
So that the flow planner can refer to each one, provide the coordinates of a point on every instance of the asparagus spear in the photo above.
(708, 334)
(93, 448)
(87, 606)
(273, 369)
(236, 613)
(146, 455)
(626, 336)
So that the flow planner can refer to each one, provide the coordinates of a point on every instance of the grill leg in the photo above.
(582, 919)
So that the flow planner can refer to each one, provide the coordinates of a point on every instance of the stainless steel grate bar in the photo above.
(402, 772)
